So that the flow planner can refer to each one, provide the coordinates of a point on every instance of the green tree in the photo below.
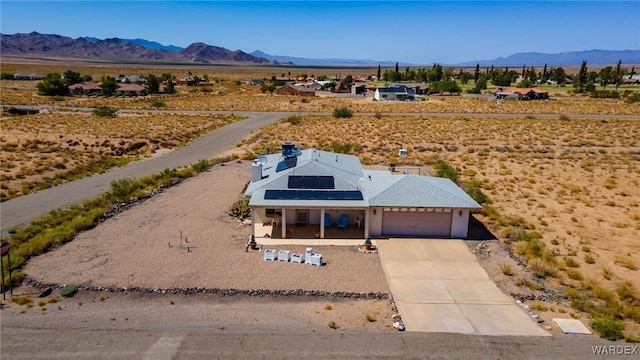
(545, 75)
(605, 76)
(71, 77)
(558, 75)
(476, 73)
(52, 85)
(618, 75)
(580, 80)
(397, 69)
(169, 87)
(447, 73)
(379, 72)
(464, 77)
(108, 85)
(152, 85)
(7, 76)
(481, 84)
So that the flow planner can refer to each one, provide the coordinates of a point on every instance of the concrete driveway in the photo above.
(439, 286)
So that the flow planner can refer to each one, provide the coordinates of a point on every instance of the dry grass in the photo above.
(38, 150)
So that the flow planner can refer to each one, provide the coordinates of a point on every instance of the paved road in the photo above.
(29, 343)
(21, 210)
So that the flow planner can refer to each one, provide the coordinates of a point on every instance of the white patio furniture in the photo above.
(284, 255)
(357, 221)
(296, 258)
(270, 254)
(275, 222)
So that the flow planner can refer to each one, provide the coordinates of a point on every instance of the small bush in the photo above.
(342, 112)
(22, 299)
(589, 259)
(633, 98)
(68, 291)
(333, 325)
(608, 328)
(574, 274)
(370, 318)
(105, 111)
(527, 283)
(542, 268)
(293, 120)
(626, 262)
(157, 103)
(240, 209)
(506, 269)
(570, 262)
(328, 307)
(538, 306)
(200, 166)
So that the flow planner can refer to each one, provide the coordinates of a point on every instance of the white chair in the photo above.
(275, 222)
(357, 221)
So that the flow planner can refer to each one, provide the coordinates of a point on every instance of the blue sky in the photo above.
(418, 32)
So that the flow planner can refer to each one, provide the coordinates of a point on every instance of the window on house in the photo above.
(274, 213)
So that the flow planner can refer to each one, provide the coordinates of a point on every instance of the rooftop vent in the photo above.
(289, 150)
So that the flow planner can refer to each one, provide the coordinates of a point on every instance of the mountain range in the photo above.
(46, 46)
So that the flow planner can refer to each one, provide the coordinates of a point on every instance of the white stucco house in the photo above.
(397, 92)
(324, 190)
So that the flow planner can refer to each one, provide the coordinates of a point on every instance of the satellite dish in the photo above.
(262, 159)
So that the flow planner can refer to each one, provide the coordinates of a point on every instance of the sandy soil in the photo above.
(141, 247)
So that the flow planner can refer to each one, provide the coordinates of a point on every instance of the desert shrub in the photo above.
(240, 209)
(626, 291)
(506, 269)
(342, 148)
(333, 325)
(570, 262)
(157, 103)
(572, 293)
(539, 306)
(574, 274)
(200, 166)
(105, 111)
(542, 268)
(68, 291)
(342, 112)
(527, 283)
(122, 190)
(444, 170)
(606, 94)
(626, 262)
(293, 120)
(370, 318)
(633, 98)
(378, 115)
(608, 328)
(22, 299)
(588, 258)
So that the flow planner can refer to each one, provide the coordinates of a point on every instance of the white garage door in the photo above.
(416, 223)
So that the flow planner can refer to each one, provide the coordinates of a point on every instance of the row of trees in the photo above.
(506, 76)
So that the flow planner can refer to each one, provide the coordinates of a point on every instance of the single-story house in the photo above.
(28, 76)
(520, 93)
(324, 191)
(296, 90)
(130, 79)
(357, 89)
(84, 88)
(130, 89)
(254, 82)
(394, 92)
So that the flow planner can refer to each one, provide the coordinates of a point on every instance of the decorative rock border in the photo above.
(218, 291)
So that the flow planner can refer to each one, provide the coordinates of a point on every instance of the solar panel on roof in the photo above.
(313, 195)
(311, 182)
(287, 164)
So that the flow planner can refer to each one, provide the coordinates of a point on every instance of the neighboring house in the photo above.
(84, 88)
(357, 89)
(418, 88)
(296, 90)
(631, 79)
(310, 187)
(188, 81)
(254, 82)
(130, 79)
(520, 93)
(394, 92)
(28, 76)
(130, 89)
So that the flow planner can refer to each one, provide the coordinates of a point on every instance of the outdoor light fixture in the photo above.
(374, 211)
(460, 213)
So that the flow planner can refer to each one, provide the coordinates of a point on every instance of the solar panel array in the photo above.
(287, 164)
(311, 182)
(313, 195)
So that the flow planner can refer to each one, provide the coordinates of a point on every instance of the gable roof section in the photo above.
(345, 169)
(417, 191)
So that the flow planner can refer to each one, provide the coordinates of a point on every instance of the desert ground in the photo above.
(570, 182)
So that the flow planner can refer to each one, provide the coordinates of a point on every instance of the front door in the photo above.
(302, 217)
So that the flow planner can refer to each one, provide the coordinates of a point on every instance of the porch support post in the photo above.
(253, 222)
(322, 223)
(284, 223)
(366, 223)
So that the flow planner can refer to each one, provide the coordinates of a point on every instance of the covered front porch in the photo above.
(310, 223)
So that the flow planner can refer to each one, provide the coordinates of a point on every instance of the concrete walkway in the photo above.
(439, 286)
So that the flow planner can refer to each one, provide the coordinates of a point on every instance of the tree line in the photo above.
(55, 84)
